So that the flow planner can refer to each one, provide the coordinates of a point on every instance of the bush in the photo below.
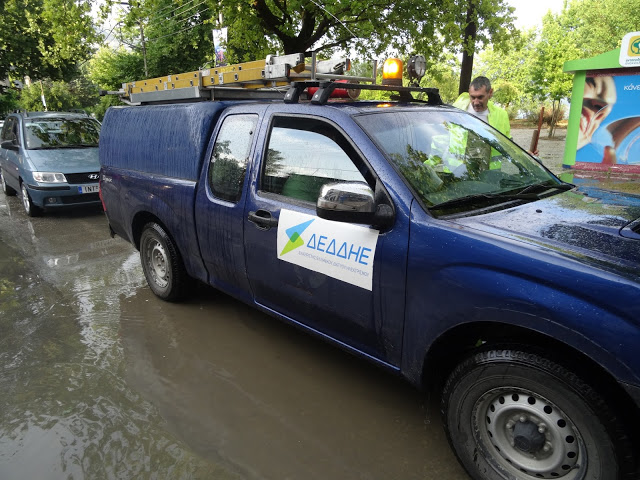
(532, 115)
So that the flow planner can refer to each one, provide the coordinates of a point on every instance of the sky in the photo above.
(529, 13)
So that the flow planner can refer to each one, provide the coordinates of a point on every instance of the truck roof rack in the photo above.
(285, 77)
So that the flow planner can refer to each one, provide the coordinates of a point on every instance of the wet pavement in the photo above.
(101, 380)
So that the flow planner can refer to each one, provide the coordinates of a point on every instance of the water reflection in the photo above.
(66, 410)
(101, 380)
(270, 402)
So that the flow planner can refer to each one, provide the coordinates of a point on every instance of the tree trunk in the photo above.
(555, 111)
(470, 32)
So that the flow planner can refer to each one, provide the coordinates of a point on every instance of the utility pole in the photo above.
(144, 43)
(144, 49)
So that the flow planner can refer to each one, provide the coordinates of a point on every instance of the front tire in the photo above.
(162, 264)
(29, 208)
(515, 415)
(6, 189)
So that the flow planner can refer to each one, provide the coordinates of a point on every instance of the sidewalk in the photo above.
(551, 150)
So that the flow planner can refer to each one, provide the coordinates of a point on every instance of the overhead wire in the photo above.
(161, 13)
(182, 30)
(119, 38)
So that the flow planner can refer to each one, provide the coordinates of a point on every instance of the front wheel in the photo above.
(29, 208)
(162, 264)
(514, 415)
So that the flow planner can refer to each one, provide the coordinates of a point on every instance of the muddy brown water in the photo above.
(101, 380)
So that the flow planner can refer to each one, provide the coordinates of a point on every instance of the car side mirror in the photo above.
(9, 145)
(352, 202)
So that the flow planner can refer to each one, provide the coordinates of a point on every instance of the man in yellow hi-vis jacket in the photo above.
(478, 102)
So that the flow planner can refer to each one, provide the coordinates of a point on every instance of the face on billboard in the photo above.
(598, 100)
(609, 131)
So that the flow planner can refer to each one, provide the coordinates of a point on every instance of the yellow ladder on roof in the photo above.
(256, 79)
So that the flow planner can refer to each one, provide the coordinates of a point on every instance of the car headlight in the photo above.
(49, 177)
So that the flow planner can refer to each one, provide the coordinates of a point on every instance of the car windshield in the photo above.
(451, 158)
(61, 132)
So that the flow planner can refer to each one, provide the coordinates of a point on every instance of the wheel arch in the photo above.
(461, 341)
(138, 223)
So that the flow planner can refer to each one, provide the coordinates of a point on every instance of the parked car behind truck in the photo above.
(415, 236)
(51, 159)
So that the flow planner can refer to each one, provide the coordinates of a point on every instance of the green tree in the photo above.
(510, 73)
(467, 26)
(45, 38)
(557, 45)
(505, 93)
(301, 25)
(601, 24)
(512, 66)
(8, 101)
(445, 76)
(59, 96)
(109, 68)
(164, 37)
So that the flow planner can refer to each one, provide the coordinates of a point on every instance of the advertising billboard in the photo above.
(609, 131)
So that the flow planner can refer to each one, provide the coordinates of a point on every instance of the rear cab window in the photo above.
(231, 155)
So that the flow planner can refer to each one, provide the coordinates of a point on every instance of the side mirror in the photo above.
(352, 202)
(9, 145)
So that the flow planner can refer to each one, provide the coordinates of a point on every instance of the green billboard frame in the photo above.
(605, 61)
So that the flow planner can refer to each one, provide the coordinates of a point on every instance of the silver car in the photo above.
(51, 158)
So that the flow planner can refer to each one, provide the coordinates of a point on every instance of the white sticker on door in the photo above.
(339, 250)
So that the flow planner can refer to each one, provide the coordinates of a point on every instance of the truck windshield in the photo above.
(61, 133)
(448, 157)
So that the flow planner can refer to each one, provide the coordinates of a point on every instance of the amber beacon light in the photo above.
(392, 72)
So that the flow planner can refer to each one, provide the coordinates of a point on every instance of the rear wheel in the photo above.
(516, 415)
(162, 264)
(29, 208)
(8, 191)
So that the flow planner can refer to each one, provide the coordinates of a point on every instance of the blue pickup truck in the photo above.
(416, 236)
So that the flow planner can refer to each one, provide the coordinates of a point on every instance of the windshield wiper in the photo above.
(527, 193)
(544, 186)
(456, 202)
(78, 145)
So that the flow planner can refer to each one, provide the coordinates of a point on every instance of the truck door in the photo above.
(301, 154)
(220, 204)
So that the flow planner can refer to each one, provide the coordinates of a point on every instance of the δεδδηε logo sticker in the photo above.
(295, 240)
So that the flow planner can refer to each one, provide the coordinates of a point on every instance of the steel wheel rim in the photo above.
(496, 415)
(157, 262)
(25, 199)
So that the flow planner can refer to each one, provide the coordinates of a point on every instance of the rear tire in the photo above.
(8, 191)
(515, 415)
(162, 265)
(29, 208)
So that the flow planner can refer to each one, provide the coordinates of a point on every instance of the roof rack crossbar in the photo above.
(325, 89)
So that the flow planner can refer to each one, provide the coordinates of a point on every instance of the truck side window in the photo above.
(230, 156)
(303, 154)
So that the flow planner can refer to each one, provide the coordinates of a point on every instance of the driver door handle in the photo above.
(263, 219)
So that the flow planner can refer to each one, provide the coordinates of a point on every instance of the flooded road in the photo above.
(101, 380)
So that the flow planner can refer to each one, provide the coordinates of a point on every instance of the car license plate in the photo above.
(89, 188)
